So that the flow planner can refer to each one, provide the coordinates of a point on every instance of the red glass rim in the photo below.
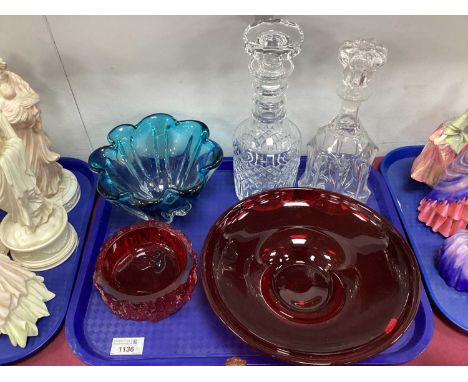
(188, 261)
(319, 200)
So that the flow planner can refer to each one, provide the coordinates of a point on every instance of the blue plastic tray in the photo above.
(407, 194)
(59, 280)
(194, 335)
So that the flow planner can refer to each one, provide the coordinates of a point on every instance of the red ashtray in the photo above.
(310, 276)
(146, 271)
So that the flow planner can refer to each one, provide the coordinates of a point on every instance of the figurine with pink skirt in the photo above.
(443, 165)
(445, 209)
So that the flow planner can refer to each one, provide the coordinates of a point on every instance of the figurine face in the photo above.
(3, 67)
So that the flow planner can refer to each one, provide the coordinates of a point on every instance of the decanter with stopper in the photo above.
(340, 155)
(267, 144)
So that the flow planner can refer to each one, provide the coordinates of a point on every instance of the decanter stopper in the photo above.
(340, 155)
(274, 38)
(272, 43)
(267, 144)
(360, 59)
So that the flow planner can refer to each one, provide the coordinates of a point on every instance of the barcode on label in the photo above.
(127, 346)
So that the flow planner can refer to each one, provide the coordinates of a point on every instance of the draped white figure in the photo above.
(19, 104)
(36, 229)
(22, 301)
(19, 194)
(22, 293)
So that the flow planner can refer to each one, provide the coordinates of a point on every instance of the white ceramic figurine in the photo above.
(35, 229)
(19, 104)
(22, 301)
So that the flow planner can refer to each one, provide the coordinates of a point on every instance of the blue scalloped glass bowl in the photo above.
(156, 168)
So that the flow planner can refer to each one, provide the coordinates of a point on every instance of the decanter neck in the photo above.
(347, 118)
(272, 43)
(270, 75)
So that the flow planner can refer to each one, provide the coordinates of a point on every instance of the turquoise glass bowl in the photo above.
(155, 169)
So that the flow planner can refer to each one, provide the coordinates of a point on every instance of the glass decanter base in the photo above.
(341, 173)
(265, 156)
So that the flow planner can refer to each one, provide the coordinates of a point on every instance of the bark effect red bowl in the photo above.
(310, 276)
(146, 271)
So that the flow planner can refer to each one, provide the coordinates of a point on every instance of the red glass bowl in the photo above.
(146, 271)
(310, 276)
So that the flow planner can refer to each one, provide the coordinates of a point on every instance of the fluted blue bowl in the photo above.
(156, 168)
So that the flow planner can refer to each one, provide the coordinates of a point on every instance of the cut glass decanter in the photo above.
(267, 144)
(341, 153)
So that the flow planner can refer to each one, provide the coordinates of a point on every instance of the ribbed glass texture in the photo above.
(155, 168)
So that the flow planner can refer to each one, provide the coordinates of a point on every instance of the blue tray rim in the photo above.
(102, 212)
(389, 159)
(66, 162)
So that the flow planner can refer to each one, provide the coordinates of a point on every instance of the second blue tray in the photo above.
(407, 193)
(194, 335)
(60, 279)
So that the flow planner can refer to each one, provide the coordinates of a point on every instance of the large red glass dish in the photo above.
(310, 276)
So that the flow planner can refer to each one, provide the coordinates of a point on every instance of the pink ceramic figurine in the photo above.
(445, 209)
(445, 143)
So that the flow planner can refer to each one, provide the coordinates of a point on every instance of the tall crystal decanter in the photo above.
(267, 144)
(340, 155)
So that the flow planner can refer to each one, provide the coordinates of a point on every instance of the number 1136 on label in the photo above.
(127, 346)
